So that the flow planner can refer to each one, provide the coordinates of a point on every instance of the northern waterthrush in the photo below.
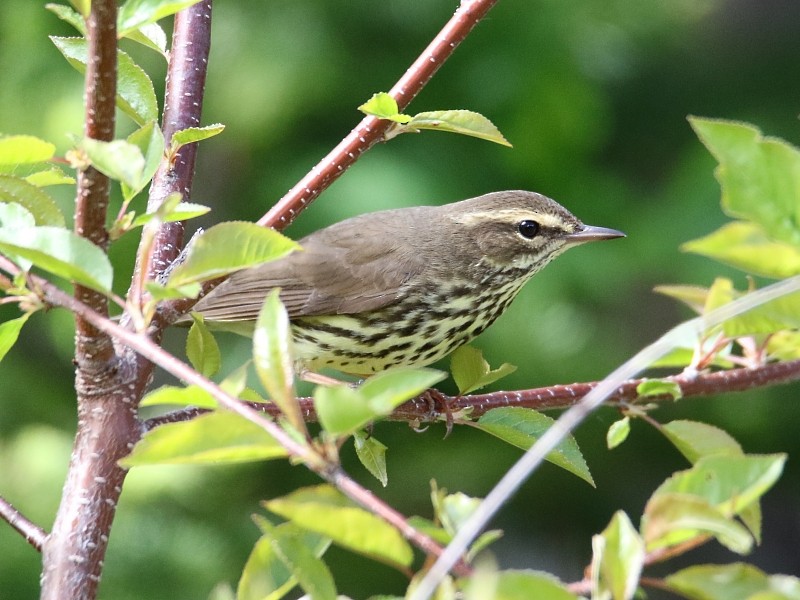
(406, 286)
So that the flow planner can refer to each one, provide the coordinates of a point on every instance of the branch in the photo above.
(32, 533)
(371, 129)
(553, 397)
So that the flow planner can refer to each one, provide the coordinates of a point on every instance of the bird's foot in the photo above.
(438, 404)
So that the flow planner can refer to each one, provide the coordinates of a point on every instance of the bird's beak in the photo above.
(590, 233)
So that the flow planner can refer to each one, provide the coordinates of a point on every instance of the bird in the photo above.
(402, 287)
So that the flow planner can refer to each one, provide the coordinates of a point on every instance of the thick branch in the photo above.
(32, 533)
(370, 130)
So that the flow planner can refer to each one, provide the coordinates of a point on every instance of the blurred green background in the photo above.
(593, 95)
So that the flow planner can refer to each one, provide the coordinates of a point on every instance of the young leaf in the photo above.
(325, 510)
(693, 296)
(229, 247)
(151, 36)
(455, 509)
(518, 584)
(159, 292)
(617, 560)
(182, 212)
(82, 6)
(214, 438)
(22, 149)
(296, 553)
(659, 387)
(618, 432)
(65, 13)
(193, 134)
(9, 332)
(190, 395)
(383, 106)
(135, 13)
(119, 160)
(465, 122)
(719, 582)
(43, 208)
(760, 176)
(471, 371)
(49, 176)
(202, 349)
(521, 427)
(135, 93)
(60, 252)
(150, 142)
(695, 440)
(15, 215)
(372, 455)
(272, 357)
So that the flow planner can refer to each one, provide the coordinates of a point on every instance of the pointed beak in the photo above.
(590, 233)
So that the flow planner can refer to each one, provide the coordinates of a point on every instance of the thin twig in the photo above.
(32, 533)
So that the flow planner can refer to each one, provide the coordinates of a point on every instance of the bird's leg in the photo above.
(438, 403)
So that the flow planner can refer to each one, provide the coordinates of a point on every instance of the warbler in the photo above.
(403, 287)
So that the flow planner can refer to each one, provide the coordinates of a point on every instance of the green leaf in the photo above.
(455, 509)
(299, 555)
(526, 585)
(229, 247)
(695, 440)
(135, 13)
(618, 432)
(82, 6)
(23, 149)
(150, 142)
(760, 177)
(194, 134)
(159, 292)
(326, 511)
(136, 96)
(50, 176)
(190, 395)
(151, 36)
(471, 371)
(265, 576)
(343, 410)
(214, 438)
(617, 560)
(182, 212)
(483, 541)
(65, 13)
(43, 208)
(747, 246)
(15, 215)
(60, 252)
(521, 427)
(372, 455)
(659, 387)
(737, 581)
(672, 519)
(202, 349)
(9, 333)
(272, 357)
(693, 296)
(383, 106)
(119, 159)
(465, 122)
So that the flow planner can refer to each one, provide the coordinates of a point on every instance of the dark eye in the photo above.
(528, 229)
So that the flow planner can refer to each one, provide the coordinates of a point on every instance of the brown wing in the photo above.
(354, 266)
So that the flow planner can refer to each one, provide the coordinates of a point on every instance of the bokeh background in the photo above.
(593, 95)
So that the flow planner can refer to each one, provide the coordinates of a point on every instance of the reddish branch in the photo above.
(32, 533)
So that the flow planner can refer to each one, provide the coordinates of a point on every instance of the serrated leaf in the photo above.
(214, 438)
(296, 553)
(151, 36)
(521, 427)
(518, 584)
(659, 387)
(136, 96)
(150, 142)
(229, 247)
(372, 455)
(82, 6)
(43, 208)
(695, 440)
(135, 13)
(781, 313)
(760, 176)
(190, 395)
(672, 519)
(202, 349)
(737, 581)
(194, 134)
(50, 176)
(265, 576)
(272, 357)
(68, 15)
(471, 371)
(746, 246)
(15, 215)
(465, 122)
(24, 149)
(384, 106)
(60, 252)
(325, 510)
(343, 410)
(119, 159)
(618, 555)
(159, 292)
(9, 333)
(182, 212)
(618, 432)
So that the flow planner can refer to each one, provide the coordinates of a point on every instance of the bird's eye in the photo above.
(528, 229)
